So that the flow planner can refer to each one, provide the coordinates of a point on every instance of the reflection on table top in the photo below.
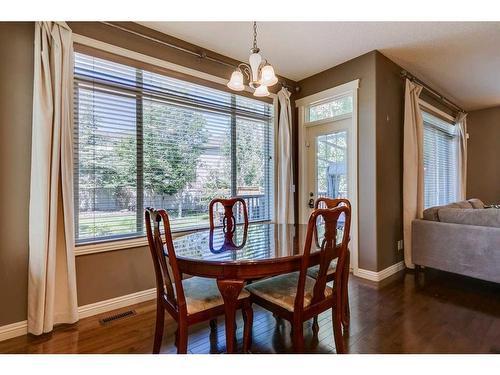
(260, 241)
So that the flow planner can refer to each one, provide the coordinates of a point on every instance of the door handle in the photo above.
(311, 203)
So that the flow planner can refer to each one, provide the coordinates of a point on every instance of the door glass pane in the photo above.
(331, 165)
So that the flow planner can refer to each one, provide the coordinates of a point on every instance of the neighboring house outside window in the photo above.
(440, 161)
(145, 139)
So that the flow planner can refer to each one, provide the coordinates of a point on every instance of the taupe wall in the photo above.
(483, 155)
(390, 116)
(99, 276)
(364, 68)
(112, 274)
(16, 92)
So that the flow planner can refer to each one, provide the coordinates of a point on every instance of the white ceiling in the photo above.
(459, 59)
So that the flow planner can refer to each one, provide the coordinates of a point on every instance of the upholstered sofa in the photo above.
(462, 237)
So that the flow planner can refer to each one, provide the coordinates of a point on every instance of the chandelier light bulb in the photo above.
(268, 78)
(261, 91)
(236, 82)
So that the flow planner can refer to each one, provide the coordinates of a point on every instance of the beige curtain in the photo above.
(413, 165)
(461, 123)
(284, 183)
(52, 282)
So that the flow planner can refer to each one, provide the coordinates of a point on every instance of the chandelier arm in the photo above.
(263, 63)
(245, 68)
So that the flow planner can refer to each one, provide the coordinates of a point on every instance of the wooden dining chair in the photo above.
(313, 271)
(188, 301)
(298, 297)
(229, 221)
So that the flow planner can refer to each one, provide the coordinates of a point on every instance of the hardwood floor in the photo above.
(446, 314)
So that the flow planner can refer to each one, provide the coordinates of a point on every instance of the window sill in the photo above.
(102, 247)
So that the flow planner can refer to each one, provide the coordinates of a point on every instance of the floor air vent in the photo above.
(112, 318)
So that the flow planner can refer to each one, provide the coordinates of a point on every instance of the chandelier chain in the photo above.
(255, 35)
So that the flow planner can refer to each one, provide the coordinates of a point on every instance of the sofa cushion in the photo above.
(484, 218)
(432, 212)
(462, 204)
(476, 203)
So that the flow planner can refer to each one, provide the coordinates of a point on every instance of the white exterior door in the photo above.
(328, 163)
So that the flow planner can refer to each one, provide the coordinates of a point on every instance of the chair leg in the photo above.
(182, 339)
(213, 324)
(315, 325)
(160, 319)
(337, 330)
(298, 336)
(247, 329)
(346, 314)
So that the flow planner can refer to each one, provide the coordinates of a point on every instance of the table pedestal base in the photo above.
(230, 290)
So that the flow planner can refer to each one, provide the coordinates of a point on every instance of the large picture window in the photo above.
(145, 139)
(440, 161)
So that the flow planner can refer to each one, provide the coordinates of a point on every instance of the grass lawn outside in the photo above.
(103, 224)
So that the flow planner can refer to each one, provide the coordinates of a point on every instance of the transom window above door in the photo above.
(329, 108)
(146, 139)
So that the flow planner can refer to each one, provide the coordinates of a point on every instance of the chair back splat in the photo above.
(325, 202)
(229, 221)
(329, 250)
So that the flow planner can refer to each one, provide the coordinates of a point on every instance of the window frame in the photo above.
(443, 117)
(100, 49)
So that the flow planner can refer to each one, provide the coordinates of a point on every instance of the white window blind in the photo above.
(440, 161)
(144, 139)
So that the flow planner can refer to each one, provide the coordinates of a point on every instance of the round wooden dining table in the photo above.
(250, 252)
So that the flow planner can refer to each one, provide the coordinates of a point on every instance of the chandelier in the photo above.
(259, 72)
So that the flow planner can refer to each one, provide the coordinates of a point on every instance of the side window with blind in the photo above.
(145, 139)
(440, 161)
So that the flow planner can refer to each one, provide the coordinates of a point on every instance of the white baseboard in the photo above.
(21, 328)
(13, 330)
(116, 303)
(381, 275)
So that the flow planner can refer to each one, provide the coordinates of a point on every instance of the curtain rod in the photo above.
(201, 55)
(446, 101)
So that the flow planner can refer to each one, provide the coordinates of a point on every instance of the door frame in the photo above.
(349, 88)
